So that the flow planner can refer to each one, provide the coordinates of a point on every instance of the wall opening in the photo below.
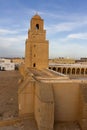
(78, 71)
(69, 71)
(64, 71)
(34, 55)
(82, 71)
(37, 26)
(54, 68)
(73, 71)
(3, 68)
(59, 70)
(34, 65)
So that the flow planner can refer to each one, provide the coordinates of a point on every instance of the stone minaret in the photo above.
(36, 52)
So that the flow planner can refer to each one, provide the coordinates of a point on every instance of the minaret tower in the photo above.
(36, 52)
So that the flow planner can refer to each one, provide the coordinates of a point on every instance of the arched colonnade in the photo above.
(70, 70)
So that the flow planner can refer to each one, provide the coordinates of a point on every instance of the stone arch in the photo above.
(78, 71)
(54, 68)
(82, 71)
(64, 71)
(68, 70)
(73, 70)
(86, 71)
(59, 69)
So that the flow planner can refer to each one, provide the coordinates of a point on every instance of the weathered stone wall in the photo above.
(44, 106)
(66, 99)
(83, 107)
(22, 70)
(26, 97)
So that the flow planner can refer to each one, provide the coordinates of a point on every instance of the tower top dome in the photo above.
(36, 16)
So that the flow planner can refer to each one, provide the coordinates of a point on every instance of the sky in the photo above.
(65, 22)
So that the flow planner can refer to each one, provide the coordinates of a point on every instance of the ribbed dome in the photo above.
(36, 16)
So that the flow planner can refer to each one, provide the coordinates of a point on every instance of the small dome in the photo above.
(36, 16)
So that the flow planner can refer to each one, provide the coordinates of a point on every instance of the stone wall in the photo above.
(83, 107)
(26, 97)
(52, 102)
(44, 106)
(66, 99)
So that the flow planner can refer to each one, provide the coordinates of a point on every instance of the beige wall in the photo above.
(66, 99)
(44, 106)
(37, 98)
(26, 98)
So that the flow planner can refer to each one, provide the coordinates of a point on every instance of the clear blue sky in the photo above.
(65, 22)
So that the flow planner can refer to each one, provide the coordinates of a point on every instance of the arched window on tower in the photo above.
(37, 26)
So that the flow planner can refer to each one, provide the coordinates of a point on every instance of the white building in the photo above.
(6, 64)
(2, 60)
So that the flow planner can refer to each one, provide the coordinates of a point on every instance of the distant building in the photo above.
(62, 60)
(17, 60)
(84, 59)
(81, 60)
(5, 64)
(3, 60)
